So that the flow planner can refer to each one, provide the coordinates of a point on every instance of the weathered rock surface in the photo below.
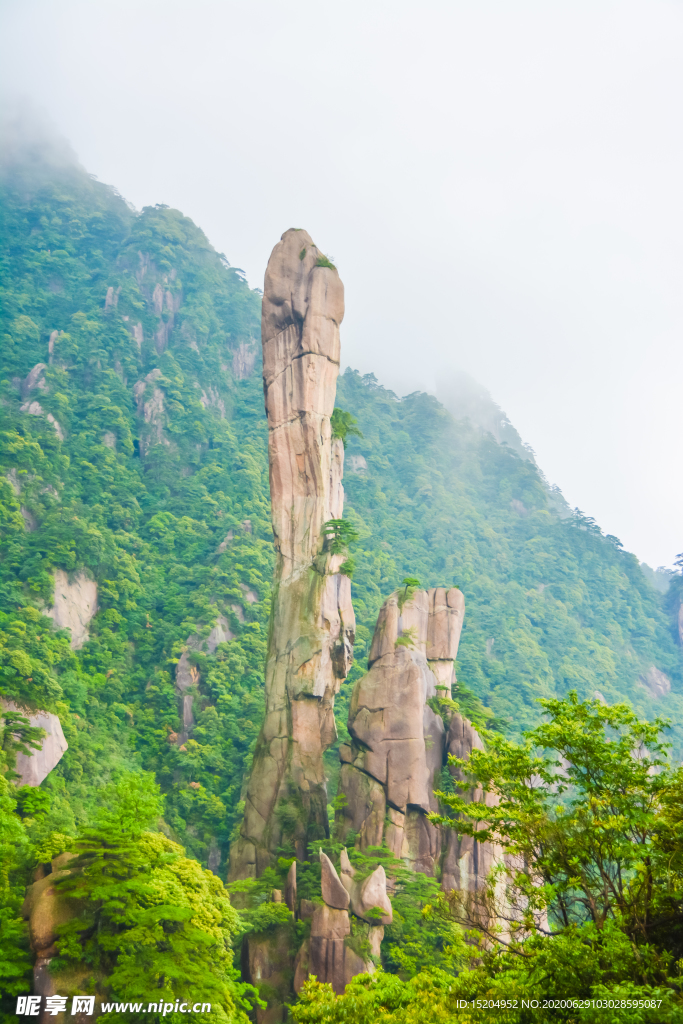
(327, 953)
(151, 408)
(243, 360)
(46, 909)
(267, 962)
(334, 893)
(313, 625)
(656, 682)
(33, 768)
(400, 745)
(389, 773)
(187, 674)
(75, 604)
(466, 862)
(367, 895)
(34, 408)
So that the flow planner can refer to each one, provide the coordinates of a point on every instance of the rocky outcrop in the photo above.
(112, 297)
(243, 360)
(328, 953)
(162, 292)
(187, 675)
(400, 744)
(656, 682)
(466, 862)
(75, 604)
(46, 909)
(34, 767)
(35, 380)
(150, 407)
(312, 629)
(390, 770)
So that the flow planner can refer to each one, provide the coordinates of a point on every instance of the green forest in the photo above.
(133, 450)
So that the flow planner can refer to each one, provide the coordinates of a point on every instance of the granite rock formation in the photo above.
(391, 768)
(75, 604)
(402, 737)
(46, 909)
(312, 627)
(327, 953)
(187, 676)
(34, 767)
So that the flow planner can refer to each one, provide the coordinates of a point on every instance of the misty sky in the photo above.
(499, 183)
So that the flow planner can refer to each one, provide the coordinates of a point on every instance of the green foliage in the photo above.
(15, 956)
(588, 905)
(466, 703)
(552, 605)
(587, 799)
(592, 805)
(157, 490)
(144, 510)
(153, 925)
(369, 997)
(324, 261)
(341, 533)
(344, 425)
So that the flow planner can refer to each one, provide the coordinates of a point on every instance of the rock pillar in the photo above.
(400, 743)
(391, 769)
(312, 626)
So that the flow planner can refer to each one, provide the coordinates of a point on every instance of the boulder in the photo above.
(373, 894)
(33, 768)
(656, 682)
(334, 893)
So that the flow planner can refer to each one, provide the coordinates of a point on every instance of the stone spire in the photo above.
(312, 627)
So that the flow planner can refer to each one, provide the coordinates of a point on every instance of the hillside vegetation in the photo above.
(138, 456)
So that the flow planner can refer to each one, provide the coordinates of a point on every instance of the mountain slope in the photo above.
(151, 479)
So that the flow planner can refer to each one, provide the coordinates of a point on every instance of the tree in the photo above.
(585, 906)
(344, 425)
(587, 813)
(154, 925)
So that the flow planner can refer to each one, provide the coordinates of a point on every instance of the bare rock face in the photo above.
(466, 862)
(187, 675)
(75, 604)
(327, 953)
(34, 379)
(400, 745)
(33, 768)
(151, 408)
(334, 893)
(266, 961)
(390, 771)
(243, 360)
(34, 408)
(656, 682)
(310, 644)
(46, 909)
(373, 895)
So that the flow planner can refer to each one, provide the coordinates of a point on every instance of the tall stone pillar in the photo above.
(312, 626)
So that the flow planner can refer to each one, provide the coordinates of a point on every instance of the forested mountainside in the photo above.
(134, 457)
(137, 456)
